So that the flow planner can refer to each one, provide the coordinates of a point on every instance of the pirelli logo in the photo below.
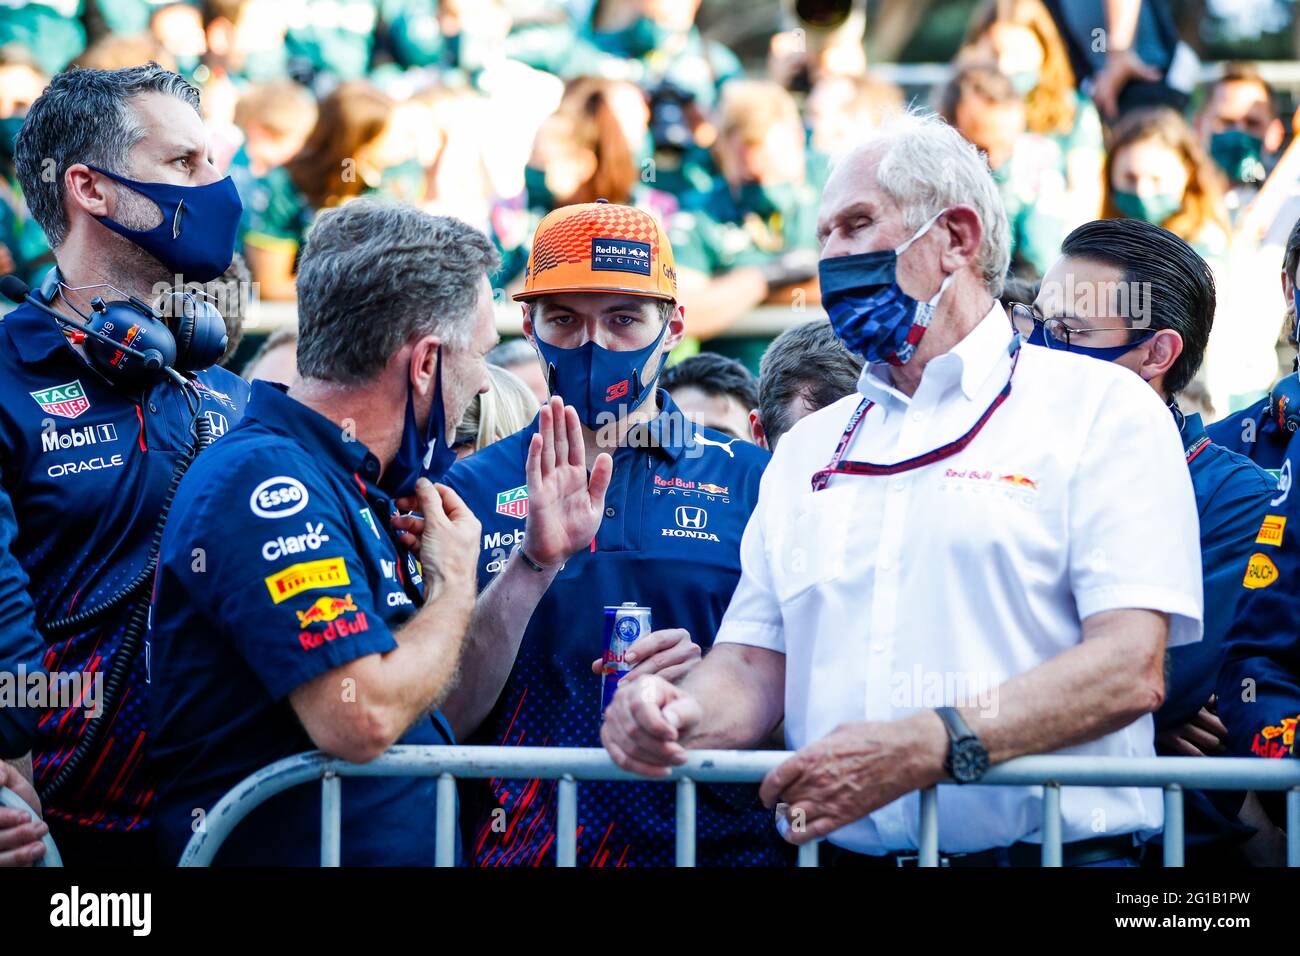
(1270, 532)
(307, 576)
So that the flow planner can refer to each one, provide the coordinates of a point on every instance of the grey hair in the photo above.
(926, 166)
(376, 274)
(84, 117)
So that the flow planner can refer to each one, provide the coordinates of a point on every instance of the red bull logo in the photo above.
(1275, 740)
(325, 609)
(712, 489)
(1020, 481)
(340, 617)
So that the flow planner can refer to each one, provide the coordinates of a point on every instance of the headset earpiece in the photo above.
(1284, 403)
(199, 329)
(133, 324)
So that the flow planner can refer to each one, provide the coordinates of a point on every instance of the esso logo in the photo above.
(278, 497)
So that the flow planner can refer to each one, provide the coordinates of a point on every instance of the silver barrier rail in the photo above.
(10, 799)
(570, 765)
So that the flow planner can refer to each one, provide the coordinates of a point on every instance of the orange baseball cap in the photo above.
(600, 247)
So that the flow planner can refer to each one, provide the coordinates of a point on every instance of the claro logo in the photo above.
(278, 497)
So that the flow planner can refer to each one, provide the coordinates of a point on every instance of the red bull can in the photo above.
(624, 624)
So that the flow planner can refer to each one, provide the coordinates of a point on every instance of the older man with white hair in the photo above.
(982, 554)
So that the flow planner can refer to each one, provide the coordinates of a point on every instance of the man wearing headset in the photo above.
(116, 169)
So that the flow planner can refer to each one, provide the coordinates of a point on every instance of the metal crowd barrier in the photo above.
(10, 799)
(570, 765)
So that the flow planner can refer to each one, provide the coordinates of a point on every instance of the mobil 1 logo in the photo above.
(56, 439)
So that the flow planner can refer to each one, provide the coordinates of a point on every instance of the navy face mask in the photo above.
(196, 238)
(869, 312)
(1107, 354)
(602, 385)
(428, 455)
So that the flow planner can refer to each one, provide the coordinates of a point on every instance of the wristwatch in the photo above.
(968, 758)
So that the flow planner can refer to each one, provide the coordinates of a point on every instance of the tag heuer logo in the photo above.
(513, 502)
(66, 401)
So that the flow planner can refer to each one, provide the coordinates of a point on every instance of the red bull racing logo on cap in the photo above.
(67, 400)
(620, 255)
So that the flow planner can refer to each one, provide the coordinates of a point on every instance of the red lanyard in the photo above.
(837, 466)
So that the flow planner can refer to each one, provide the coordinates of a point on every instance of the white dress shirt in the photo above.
(890, 595)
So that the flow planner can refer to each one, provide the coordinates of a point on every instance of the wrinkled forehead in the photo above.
(169, 124)
(852, 185)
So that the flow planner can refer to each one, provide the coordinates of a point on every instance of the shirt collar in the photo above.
(270, 404)
(669, 433)
(1191, 428)
(35, 335)
(969, 363)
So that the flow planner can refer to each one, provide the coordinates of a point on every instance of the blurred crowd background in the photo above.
(722, 118)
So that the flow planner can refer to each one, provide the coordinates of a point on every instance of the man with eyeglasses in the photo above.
(1131, 293)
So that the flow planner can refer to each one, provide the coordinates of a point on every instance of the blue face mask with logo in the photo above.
(869, 312)
(429, 455)
(196, 238)
(601, 384)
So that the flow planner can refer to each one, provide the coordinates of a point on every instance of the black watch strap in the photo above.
(968, 758)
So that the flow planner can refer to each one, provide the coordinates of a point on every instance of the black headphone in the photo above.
(131, 342)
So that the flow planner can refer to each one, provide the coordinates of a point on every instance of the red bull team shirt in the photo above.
(669, 540)
(278, 565)
(85, 466)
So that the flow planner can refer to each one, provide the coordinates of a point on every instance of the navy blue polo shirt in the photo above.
(1232, 495)
(1259, 683)
(85, 465)
(278, 565)
(669, 540)
(1251, 432)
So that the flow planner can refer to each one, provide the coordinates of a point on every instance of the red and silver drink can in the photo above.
(624, 623)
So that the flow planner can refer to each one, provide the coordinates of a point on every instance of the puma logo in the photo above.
(724, 445)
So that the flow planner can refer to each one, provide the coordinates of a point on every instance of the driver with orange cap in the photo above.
(599, 307)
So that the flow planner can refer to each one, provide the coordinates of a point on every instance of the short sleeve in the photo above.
(1132, 478)
(285, 574)
(754, 615)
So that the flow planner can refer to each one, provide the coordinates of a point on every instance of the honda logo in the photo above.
(695, 518)
(217, 422)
